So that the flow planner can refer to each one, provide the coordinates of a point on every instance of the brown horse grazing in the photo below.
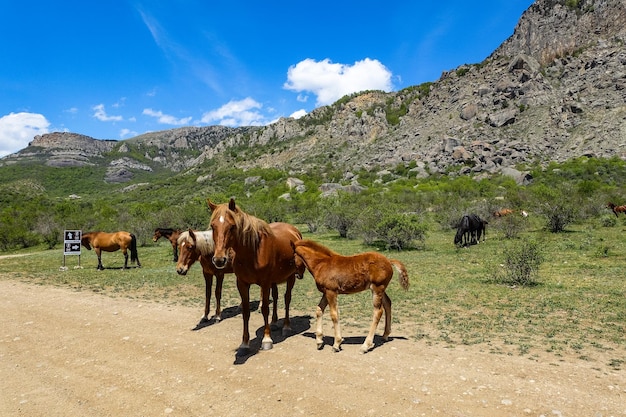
(110, 242)
(502, 213)
(194, 245)
(169, 234)
(616, 209)
(335, 274)
(261, 254)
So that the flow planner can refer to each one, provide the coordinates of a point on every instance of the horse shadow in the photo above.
(356, 340)
(112, 268)
(299, 325)
(227, 313)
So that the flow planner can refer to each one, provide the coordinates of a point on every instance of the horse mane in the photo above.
(318, 247)
(204, 240)
(249, 228)
(165, 230)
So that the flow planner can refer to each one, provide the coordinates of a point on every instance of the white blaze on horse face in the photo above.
(221, 219)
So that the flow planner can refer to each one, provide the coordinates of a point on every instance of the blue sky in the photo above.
(116, 69)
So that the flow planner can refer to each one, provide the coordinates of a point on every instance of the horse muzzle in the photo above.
(182, 270)
(220, 261)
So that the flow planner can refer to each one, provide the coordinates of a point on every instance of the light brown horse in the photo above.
(261, 254)
(169, 234)
(111, 242)
(336, 274)
(503, 212)
(199, 245)
(616, 209)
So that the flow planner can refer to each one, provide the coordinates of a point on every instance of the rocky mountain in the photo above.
(556, 89)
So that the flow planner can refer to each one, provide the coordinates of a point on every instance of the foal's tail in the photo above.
(404, 276)
(134, 257)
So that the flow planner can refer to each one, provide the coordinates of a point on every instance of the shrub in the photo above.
(521, 264)
(400, 231)
(510, 226)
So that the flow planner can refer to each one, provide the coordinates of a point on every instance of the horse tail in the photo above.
(133, 248)
(404, 275)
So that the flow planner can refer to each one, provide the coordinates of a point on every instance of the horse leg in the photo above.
(244, 293)
(387, 307)
(274, 304)
(334, 315)
(208, 284)
(175, 250)
(99, 255)
(267, 343)
(218, 296)
(319, 332)
(125, 258)
(377, 299)
(287, 323)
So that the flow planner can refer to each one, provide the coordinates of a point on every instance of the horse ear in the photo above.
(231, 204)
(210, 204)
(192, 234)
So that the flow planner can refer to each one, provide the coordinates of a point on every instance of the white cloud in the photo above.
(100, 114)
(330, 81)
(18, 129)
(236, 113)
(126, 133)
(166, 118)
(298, 114)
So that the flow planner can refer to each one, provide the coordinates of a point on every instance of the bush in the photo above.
(400, 231)
(521, 264)
(341, 213)
(510, 226)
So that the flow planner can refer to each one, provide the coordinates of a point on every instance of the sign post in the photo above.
(71, 245)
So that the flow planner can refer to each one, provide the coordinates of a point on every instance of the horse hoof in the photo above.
(366, 348)
(267, 345)
(336, 349)
(287, 331)
(320, 346)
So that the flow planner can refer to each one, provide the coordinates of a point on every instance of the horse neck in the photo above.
(314, 254)
(250, 229)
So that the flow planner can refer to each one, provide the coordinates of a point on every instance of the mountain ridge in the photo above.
(554, 90)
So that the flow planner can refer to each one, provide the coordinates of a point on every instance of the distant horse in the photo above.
(260, 253)
(194, 245)
(169, 234)
(110, 242)
(616, 209)
(336, 274)
(502, 212)
(470, 229)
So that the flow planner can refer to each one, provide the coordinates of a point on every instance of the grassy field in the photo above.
(577, 307)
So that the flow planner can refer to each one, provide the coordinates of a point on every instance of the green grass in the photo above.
(578, 306)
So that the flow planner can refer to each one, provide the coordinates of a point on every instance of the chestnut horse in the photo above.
(502, 213)
(616, 209)
(110, 242)
(194, 245)
(169, 234)
(336, 274)
(261, 254)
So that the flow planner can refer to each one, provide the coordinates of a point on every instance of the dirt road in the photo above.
(68, 353)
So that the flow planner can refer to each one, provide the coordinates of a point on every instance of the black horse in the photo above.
(469, 230)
